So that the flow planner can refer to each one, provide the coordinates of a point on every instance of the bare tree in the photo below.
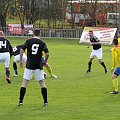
(93, 11)
(33, 11)
(28, 11)
(20, 9)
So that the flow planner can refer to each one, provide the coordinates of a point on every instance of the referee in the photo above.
(34, 47)
(96, 51)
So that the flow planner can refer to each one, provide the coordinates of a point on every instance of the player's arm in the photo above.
(46, 57)
(23, 47)
(46, 51)
(95, 43)
(21, 56)
(89, 44)
(10, 49)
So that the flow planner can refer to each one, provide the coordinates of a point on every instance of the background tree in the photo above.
(92, 8)
(33, 10)
(4, 7)
(28, 11)
(20, 10)
(54, 11)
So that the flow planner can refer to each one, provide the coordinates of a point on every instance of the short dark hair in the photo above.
(90, 31)
(36, 32)
(115, 41)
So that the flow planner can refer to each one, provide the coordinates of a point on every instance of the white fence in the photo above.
(51, 33)
(61, 33)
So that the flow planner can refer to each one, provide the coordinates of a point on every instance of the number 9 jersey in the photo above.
(34, 47)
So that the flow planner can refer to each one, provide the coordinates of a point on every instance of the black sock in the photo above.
(22, 93)
(89, 66)
(44, 94)
(8, 73)
(102, 63)
(15, 68)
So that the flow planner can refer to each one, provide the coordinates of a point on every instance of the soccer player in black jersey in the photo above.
(5, 51)
(34, 47)
(16, 53)
(96, 51)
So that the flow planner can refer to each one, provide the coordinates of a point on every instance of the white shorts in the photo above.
(39, 74)
(5, 58)
(17, 58)
(97, 53)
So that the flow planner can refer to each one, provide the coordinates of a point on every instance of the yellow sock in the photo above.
(49, 70)
(115, 84)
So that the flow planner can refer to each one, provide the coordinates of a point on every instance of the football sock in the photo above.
(8, 73)
(49, 70)
(115, 84)
(89, 66)
(44, 94)
(102, 63)
(15, 68)
(22, 93)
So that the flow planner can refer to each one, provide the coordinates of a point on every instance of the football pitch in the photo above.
(74, 95)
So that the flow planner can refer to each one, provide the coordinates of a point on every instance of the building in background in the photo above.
(82, 12)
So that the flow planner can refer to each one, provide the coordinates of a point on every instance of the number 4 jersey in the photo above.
(5, 45)
(34, 47)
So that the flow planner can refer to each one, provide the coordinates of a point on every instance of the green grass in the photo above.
(75, 95)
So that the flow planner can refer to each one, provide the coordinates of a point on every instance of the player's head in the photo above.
(1, 34)
(115, 41)
(36, 32)
(90, 33)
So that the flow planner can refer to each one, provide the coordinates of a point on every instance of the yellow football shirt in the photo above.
(115, 56)
(119, 41)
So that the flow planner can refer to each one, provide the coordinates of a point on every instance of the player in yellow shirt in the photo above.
(116, 59)
(114, 55)
(48, 67)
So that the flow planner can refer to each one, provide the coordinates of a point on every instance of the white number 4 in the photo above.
(35, 48)
(2, 44)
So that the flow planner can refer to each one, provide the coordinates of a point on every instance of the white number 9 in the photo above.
(35, 49)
